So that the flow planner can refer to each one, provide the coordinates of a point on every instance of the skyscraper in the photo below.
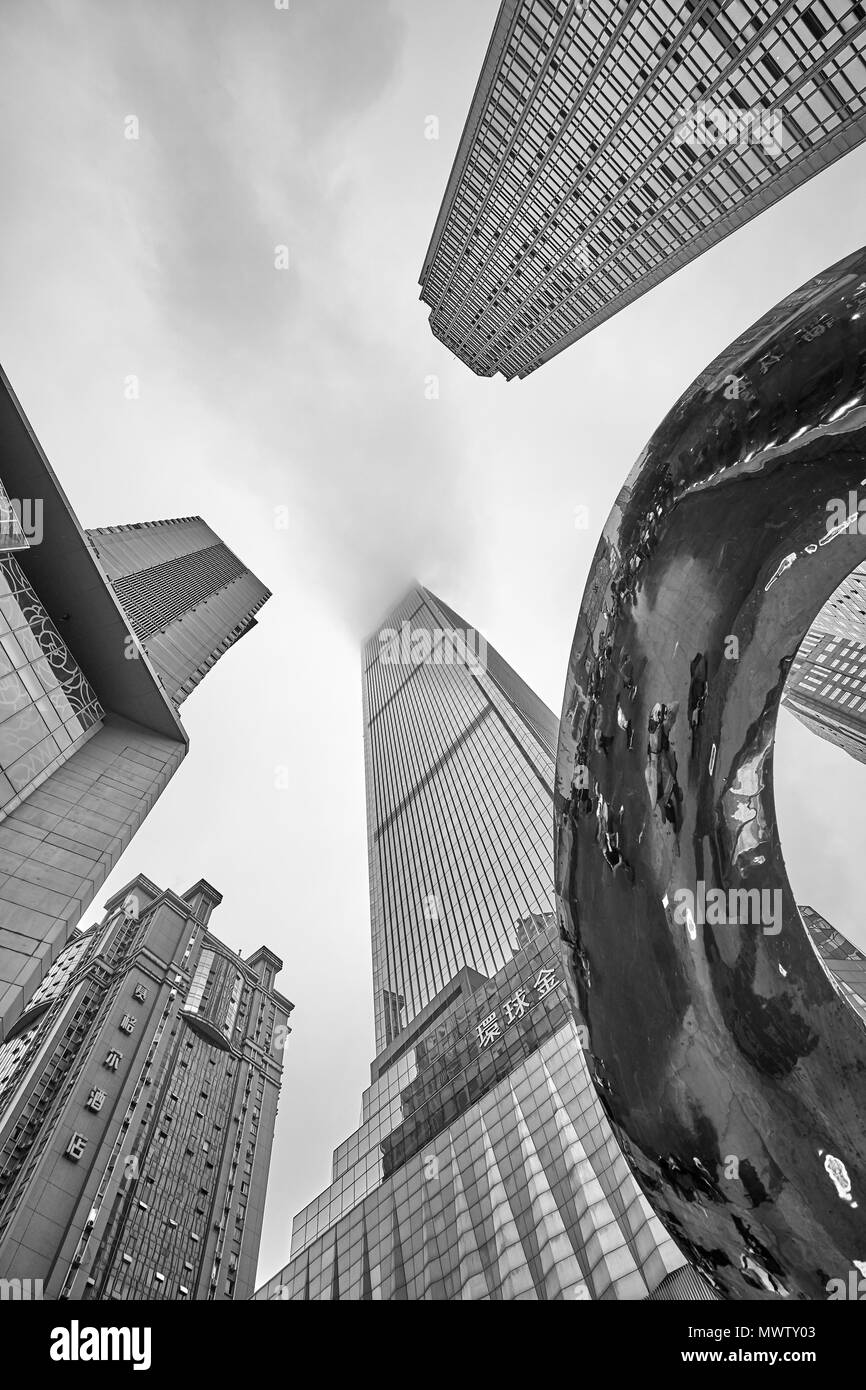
(844, 613)
(93, 665)
(138, 1095)
(187, 597)
(608, 145)
(826, 685)
(826, 689)
(483, 1166)
(842, 961)
(459, 762)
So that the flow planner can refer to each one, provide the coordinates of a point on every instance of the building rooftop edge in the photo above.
(74, 588)
(499, 38)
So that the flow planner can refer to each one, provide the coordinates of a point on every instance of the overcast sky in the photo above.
(304, 388)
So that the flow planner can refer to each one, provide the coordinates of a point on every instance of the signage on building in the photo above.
(515, 1006)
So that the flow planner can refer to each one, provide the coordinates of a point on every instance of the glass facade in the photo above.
(47, 708)
(483, 1166)
(459, 773)
(214, 996)
(500, 1178)
(12, 536)
(826, 689)
(609, 145)
(187, 596)
(844, 613)
(845, 965)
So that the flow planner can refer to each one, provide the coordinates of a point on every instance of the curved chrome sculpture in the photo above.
(734, 1075)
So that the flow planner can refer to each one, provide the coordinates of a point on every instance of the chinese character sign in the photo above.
(488, 1031)
(76, 1146)
(546, 982)
(516, 1006)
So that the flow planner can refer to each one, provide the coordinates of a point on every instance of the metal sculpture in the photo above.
(733, 1073)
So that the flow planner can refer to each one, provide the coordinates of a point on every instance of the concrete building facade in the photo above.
(101, 638)
(138, 1097)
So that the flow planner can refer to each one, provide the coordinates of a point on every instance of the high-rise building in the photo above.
(608, 145)
(483, 1166)
(826, 690)
(101, 637)
(138, 1095)
(844, 613)
(459, 763)
(186, 595)
(843, 962)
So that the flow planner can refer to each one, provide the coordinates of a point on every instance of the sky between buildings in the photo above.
(267, 393)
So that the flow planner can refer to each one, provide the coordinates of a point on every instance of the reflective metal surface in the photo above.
(732, 1072)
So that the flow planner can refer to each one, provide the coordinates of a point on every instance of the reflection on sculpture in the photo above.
(734, 1075)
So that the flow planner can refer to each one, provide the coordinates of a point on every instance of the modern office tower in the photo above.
(138, 1095)
(826, 689)
(483, 1166)
(845, 965)
(459, 771)
(844, 613)
(91, 674)
(186, 595)
(608, 145)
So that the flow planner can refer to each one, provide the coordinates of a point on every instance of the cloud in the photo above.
(252, 135)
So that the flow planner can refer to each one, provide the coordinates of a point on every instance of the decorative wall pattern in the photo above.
(525, 1196)
(47, 706)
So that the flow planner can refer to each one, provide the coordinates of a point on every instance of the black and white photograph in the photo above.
(432, 675)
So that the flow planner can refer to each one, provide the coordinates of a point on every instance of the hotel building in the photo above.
(138, 1096)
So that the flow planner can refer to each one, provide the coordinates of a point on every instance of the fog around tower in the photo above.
(290, 392)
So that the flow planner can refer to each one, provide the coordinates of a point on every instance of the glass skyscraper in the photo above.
(843, 962)
(608, 145)
(826, 685)
(187, 596)
(459, 774)
(483, 1166)
(844, 613)
(826, 690)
